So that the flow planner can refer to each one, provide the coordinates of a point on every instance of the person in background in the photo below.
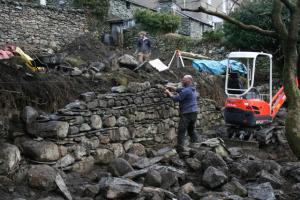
(188, 109)
(143, 48)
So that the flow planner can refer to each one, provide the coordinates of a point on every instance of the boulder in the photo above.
(103, 156)
(42, 177)
(261, 192)
(29, 115)
(54, 129)
(213, 177)
(42, 151)
(10, 158)
(119, 167)
(96, 122)
(153, 178)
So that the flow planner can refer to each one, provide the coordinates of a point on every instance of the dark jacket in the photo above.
(187, 98)
(144, 45)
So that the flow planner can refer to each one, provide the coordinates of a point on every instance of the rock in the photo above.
(29, 115)
(56, 129)
(193, 163)
(209, 158)
(103, 156)
(158, 193)
(171, 135)
(65, 161)
(127, 145)
(188, 188)
(62, 186)
(76, 72)
(169, 179)
(131, 158)
(136, 174)
(265, 176)
(184, 196)
(110, 121)
(10, 158)
(122, 134)
(76, 105)
(135, 87)
(117, 149)
(84, 127)
(164, 169)
(119, 188)
(262, 191)
(87, 96)
(120, 167)
(91, 190)
(122, 121)
(146, 162)
(40, 150)
(84, 166)
(128, 61)
(153, 178)
(119, 89)
(96, 122)
(79, 152)
(42, 177)
(97, 66)
(234, 187)
(137, 149)
(213, 177)
(235, 152)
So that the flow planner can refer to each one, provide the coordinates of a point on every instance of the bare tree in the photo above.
(287, 34)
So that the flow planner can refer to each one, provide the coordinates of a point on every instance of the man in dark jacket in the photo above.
(143, 47)
(188, 108)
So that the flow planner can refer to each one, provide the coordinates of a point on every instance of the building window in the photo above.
(127, 4)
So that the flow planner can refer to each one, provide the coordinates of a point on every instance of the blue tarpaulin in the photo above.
(218, 67)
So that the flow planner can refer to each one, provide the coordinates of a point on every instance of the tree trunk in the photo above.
(292, 126)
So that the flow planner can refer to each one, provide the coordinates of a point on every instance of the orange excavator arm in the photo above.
(278, 100)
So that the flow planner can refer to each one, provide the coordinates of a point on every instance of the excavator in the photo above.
(250, 109)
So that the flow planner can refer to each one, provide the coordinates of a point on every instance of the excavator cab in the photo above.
(245, 104)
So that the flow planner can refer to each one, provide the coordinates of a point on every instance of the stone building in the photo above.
(192, 24)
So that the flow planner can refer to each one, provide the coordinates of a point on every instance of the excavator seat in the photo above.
(234, 82)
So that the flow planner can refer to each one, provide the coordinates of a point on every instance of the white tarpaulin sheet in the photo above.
(157, 64)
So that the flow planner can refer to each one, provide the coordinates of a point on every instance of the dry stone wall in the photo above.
(99, 127)
(39, 27)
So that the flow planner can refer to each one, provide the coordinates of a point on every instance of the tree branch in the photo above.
(234, 21)
(289, 5)
(277, 19)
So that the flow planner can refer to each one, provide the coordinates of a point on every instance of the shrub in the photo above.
(213, 36)
(157, 22)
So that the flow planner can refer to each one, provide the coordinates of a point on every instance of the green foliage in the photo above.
(98, 8)
(213, 36)
(258, 13)
(157, 22)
